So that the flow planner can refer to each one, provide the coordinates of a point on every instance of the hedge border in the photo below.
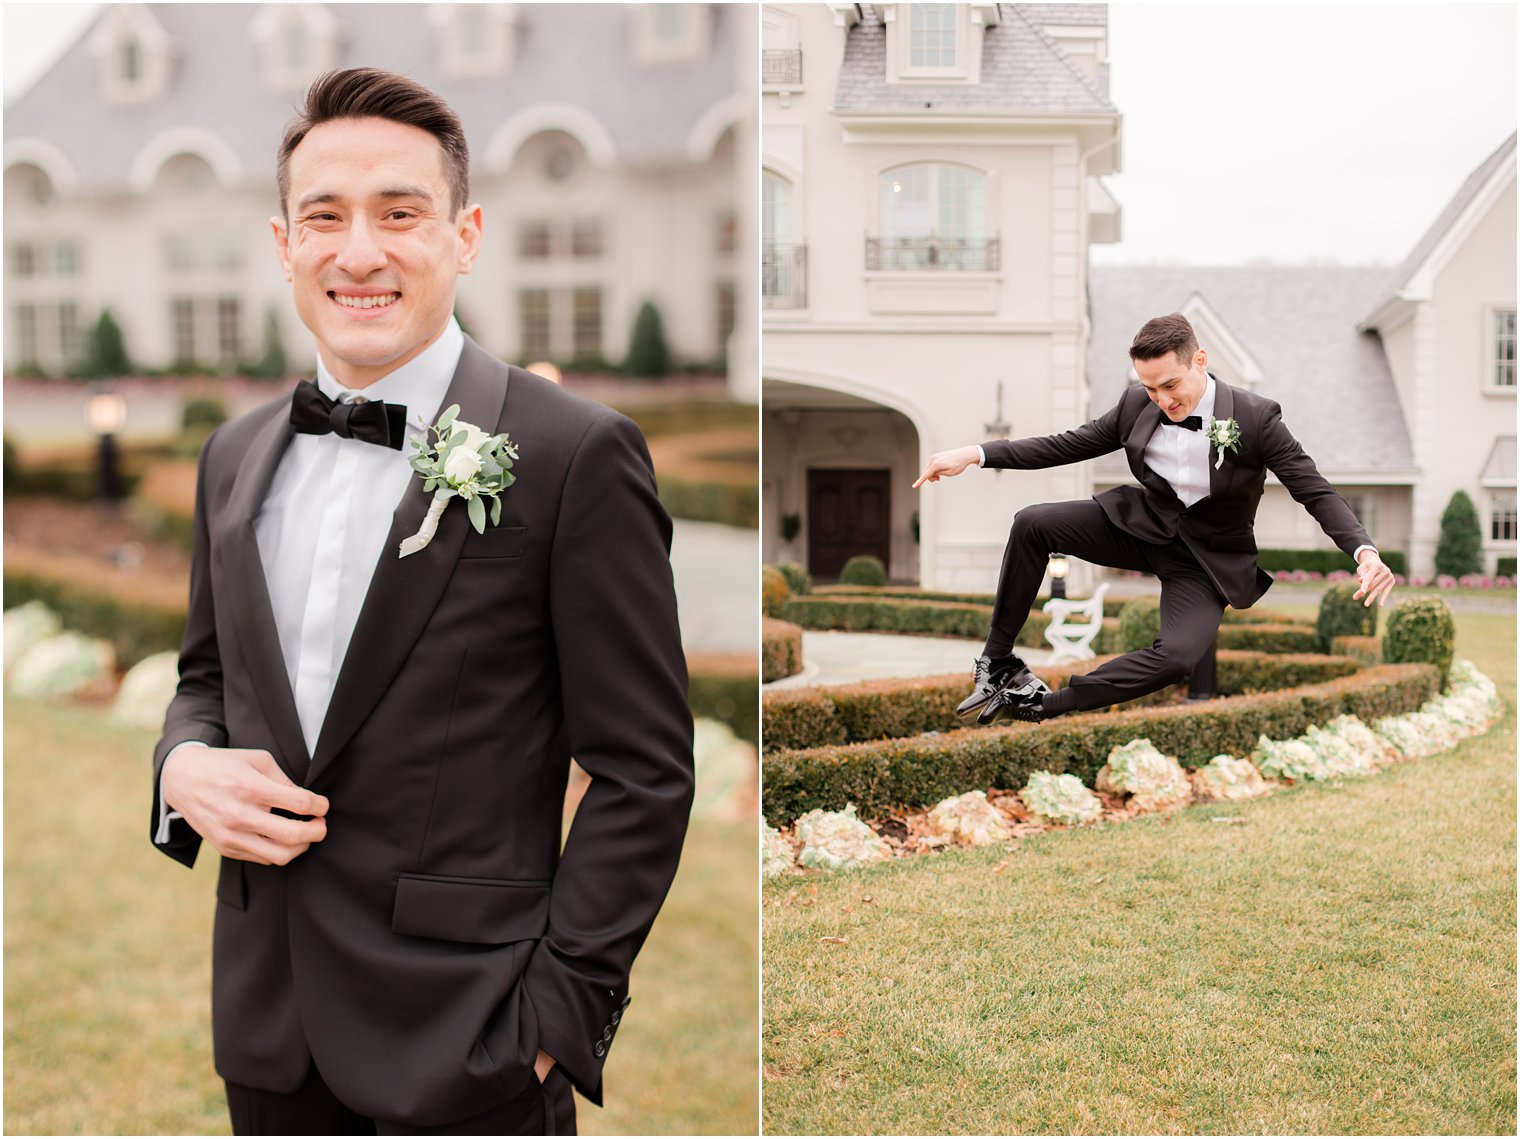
(780, 649)
(891, 774)
(726, 686)
(895, 708)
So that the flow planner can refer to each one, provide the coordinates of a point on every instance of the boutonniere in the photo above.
(458, 459)
(1225, 435)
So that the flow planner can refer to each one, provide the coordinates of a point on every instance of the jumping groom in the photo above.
(1200, 451)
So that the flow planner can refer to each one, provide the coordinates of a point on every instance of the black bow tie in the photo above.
(370, 421)
(1191, 423)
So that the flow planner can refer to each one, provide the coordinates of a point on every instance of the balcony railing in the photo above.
(781, 67)
(783, 275)
(970, 254)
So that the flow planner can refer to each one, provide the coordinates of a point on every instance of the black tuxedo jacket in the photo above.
(1219, 528)
(438, 936)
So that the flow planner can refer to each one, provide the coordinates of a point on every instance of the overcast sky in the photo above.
(1276, 131)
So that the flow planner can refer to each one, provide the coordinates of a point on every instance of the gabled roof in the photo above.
(569, 54)
(1299, 324)
(1435, 236)
(1023, 70)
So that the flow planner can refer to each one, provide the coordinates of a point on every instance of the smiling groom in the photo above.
(1200, 451)
(378, 745)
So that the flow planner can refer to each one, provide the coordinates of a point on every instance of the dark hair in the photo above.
(369, 92)
(1163, 334)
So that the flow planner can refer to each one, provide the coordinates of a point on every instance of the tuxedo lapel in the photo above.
(1224, 408)
(404, 591)
(249, 608)
(1147, 423)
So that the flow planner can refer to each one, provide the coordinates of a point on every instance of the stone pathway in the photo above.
(844, 658)
(717, 573)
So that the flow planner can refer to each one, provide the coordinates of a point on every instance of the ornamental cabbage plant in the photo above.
(969, 819)
(1060, 798)
(1138, 769)
(837, 840)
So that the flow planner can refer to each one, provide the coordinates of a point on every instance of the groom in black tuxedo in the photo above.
(1200, 451)
(378, 745)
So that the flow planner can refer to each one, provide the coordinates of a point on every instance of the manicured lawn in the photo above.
(107, 955)
(1342, 960)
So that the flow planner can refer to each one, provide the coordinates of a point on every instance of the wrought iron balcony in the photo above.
(781, 67)
(783, 275)
(947, 253)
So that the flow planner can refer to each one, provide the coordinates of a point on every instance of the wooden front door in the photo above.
(849, 513)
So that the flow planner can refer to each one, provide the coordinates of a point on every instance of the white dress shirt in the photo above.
(324, 525)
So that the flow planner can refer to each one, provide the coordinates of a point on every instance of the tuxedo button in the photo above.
(625, 1002)
(617, 1015)
(606, 1034)
(600, 1049)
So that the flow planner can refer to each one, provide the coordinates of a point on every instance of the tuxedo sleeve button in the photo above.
(626, 1000)
(600, 1049)
(617, 1015)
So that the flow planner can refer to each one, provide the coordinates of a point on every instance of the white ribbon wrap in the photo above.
(429, 526)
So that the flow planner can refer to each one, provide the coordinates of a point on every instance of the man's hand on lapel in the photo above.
(226, 795)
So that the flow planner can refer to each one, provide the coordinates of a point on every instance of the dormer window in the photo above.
(475, 40)
(299, 42)
(669, 33)
(133, 54)
(936, 43)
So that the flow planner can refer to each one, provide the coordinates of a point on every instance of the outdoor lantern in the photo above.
(1058, 571)
(545, 369)
(106, 413)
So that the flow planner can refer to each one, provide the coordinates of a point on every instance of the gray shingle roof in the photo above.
(1427, 244)
(1023, 71)
(567, 53)
(1299, 323)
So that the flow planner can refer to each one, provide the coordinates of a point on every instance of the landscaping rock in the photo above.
(1154, 781)
(27, 625)
(69, 664)
(1060, 798)
(837, 840)
(146, 690)
(1226, 777)
(969, 820)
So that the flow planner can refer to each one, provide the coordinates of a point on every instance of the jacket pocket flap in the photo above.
(496, 542)
(484, 911)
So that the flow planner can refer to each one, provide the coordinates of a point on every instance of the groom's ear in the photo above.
(282, 243)
(1202, 360)
(468, 229)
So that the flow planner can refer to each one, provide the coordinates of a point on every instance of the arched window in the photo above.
(933, 216)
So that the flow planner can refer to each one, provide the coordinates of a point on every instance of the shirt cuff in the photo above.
(165, 815)
(981, 456)
(1357, 553)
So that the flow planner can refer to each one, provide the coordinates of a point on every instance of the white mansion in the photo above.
(613, 150)
(932, 184)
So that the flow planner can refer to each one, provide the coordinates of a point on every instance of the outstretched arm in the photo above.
(1097, 437)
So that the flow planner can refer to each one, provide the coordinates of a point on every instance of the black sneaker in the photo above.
(988, 675)
(1022, 702)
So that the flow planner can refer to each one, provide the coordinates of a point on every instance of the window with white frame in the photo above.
(26, 335)
(533, 329)
(932, 216)
(779, 254)
(586, 311)
(1501, 516)
(931, 36)
(1501, 349)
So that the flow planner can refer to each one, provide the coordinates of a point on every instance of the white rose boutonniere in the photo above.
(1225, 435)
(462, 461)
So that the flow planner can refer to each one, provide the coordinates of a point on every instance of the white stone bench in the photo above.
(1073, 641)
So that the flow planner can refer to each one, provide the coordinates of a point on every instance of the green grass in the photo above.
(107, 955)
(1343, 961)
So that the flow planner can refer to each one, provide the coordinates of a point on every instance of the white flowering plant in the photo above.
(968, 819)
(459, 460)
(837, 840)
(776, 855)
(1225, 435)
(1337, 754)
(1288, 759)
(1060, 798)
(1226, 777)
(1139, 769)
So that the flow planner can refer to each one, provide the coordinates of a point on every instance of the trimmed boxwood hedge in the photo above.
(1366, 651)
(781, 649)
(725, 687)
(879, 709)
(135, 628)
(1323, 561)
(885, 775)
(1269, 638)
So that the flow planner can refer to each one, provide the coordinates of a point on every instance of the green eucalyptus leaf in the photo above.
(448, 416)
(478, 515)
(508, 478)
(496, 511)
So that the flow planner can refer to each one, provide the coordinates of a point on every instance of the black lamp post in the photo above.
(106, 412)
(1058, 571)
